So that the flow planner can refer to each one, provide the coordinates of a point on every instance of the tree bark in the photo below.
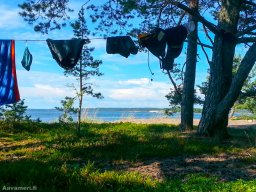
(243, 71)
(187, 103)
(80, 98)
(220, 71)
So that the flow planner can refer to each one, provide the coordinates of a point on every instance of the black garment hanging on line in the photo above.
(176, 35)
(175, 38)
(156, 42)
(122, 45)
(66, 52)
(27, 59)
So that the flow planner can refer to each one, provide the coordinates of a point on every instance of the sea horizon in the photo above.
(107, 114)
(105, 108)
(101, 114)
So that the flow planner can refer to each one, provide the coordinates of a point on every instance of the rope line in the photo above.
(199, 43)
(45, 40)
(149, 65)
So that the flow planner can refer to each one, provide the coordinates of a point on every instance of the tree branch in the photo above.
(160, 14)
(181, 18)
(201, 19)
(207, 34)
(251, 33)
(207, 57)
(246, 31)
(174, 84)
(249, 3)
(202, 44)
(237, 83)
(249, 93)
(246, 40)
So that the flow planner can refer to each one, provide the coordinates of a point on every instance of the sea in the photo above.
(104, 114)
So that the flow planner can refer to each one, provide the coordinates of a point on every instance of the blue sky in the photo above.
(125, 83)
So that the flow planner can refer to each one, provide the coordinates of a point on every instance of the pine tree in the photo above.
(87, 66)
(15, 112)
(68, 109)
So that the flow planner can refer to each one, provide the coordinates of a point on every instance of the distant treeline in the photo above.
(178, 110)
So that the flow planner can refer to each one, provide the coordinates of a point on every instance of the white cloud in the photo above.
(46, 78)
(97, 43)
(10, 18)
(45, 91)
(141, 81)
(140, 89)
(132, 94)
(15, 27)
(145, 82)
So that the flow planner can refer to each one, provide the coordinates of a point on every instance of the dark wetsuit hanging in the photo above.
(175, 38)
(155, 42)
(122, 45)
(27, 59)
(66, 52)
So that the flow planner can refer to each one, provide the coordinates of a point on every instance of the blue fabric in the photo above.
(7, 79)
(27, 59)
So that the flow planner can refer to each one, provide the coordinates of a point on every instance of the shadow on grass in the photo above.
(246, 136)
(159, 141)
(48, 177)
(63, 162)
(224, 167)
(124, 141)
(108, 144)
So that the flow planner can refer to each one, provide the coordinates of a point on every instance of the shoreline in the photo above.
(232, 123)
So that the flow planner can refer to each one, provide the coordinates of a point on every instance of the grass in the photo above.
(53, 158)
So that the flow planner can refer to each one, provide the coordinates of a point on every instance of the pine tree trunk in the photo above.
(80, 98)
(211, 124)
(187, 103)
(79, 114)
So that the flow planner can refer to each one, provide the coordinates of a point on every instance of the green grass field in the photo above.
(112, 157)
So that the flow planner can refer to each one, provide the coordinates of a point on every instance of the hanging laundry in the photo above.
(9, 92)
(175, 38)
(66, 52)
(27, 59)
(122, 45)
(155, 42)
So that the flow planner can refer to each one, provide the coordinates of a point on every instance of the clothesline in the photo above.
(45, 39)
(199, 43)
(67, 53)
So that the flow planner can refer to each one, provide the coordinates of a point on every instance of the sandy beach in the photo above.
(232, 123)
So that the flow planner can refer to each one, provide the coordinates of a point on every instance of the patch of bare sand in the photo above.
(232, 123)
(226, 167)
